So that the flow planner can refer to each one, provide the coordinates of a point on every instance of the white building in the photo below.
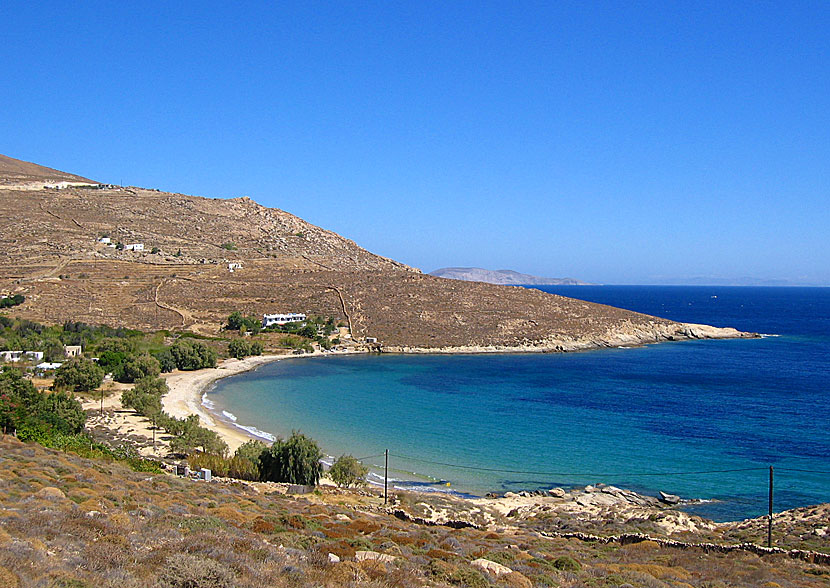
(134, 247)
(11, 355)
(35, 355)
(282, 319)
(105, 240)
(72, 350)
(234, 266)
(46, 366)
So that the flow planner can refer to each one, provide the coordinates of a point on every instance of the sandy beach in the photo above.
(187, 388)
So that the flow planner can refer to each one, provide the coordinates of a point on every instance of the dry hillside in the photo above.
(49, 252)
(72, 522)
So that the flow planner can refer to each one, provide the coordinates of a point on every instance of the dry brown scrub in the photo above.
(66, 521)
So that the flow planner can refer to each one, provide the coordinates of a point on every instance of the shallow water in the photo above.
(650, 418)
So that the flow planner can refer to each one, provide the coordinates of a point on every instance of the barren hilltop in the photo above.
(195, 260)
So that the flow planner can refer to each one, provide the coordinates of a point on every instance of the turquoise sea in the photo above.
(702, 419)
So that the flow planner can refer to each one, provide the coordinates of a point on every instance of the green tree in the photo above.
(296, 460)
(79, 375)
(145, 396)
(137, 367)
(189, 436)
(167, 363)
(239, 348)
(235, 321)
(192, 356)
(252, 451)
(347, 472)
(36, 414)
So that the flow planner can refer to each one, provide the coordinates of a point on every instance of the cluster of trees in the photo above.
(299, 335)
(78, 375)
(186, 355)
(240, 348)
(27, 335)
(56, 420)
(188, 435)
(238, 322)
(295, 460)
(9, 301)
(35, 414)
(121, 358)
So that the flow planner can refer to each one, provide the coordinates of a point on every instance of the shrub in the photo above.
(566, 563)
(10, 301)
(183, 570)
(79, 374)
(347, 471)
(296, 460)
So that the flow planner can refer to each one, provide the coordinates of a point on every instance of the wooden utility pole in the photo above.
(386, 479)
(769, 527)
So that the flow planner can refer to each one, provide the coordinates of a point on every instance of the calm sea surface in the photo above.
(667, 417)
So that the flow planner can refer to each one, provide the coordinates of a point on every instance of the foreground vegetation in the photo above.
(66, 521)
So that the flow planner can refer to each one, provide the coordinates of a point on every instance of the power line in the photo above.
(582, 474)
(778, 469)
(370, 456)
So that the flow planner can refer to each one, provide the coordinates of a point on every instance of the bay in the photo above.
(703, 419)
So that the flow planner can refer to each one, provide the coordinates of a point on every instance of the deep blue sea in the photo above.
(702, 419)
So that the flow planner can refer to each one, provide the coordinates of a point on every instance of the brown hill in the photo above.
(49, 252)
(14, 172)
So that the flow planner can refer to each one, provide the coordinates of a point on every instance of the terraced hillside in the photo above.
(50, 253)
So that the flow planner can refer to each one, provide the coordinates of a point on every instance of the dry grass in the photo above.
(99, 524)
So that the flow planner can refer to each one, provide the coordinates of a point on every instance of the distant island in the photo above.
(502, 277)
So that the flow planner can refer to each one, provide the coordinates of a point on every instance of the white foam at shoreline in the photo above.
(231, 418)
(256, 432)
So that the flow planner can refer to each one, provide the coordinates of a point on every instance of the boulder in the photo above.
(491, 567)
(510, 495)
(334, 558)
(373, 555)
(50, 493)
(557, 492)
(669, 498)
(517, 580)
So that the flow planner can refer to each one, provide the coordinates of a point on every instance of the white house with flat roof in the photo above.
(282, 319)
(134, 247)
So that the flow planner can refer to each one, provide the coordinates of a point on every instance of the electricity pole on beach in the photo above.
(386, 478)
(769, 527)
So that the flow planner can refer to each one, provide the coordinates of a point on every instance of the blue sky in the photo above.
(617, 142)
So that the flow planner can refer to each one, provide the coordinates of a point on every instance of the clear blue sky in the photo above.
(619, 142)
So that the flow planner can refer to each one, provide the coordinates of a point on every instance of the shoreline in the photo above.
(187, 389)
